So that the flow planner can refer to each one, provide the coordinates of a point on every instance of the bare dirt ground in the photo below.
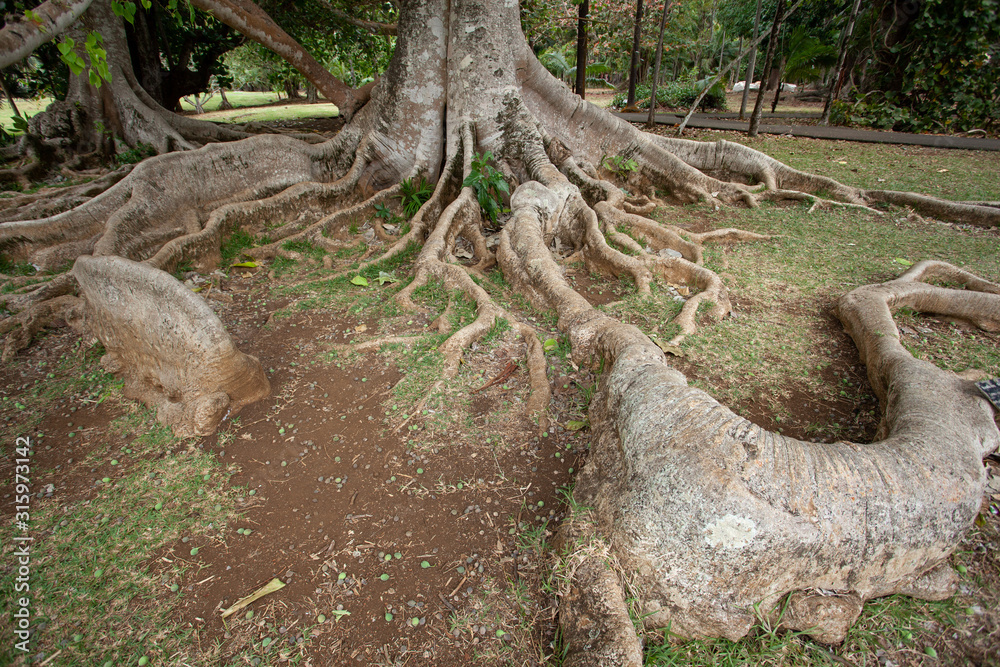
(402, 539)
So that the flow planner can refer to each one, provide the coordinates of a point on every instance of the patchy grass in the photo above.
(784, 291)
(94, 589)
(941, 172)
(239, 99)
(263, 114)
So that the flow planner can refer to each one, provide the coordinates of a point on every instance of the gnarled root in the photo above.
(21, 329)
(743, 516)
(462, 217)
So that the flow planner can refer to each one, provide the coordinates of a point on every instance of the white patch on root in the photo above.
(731, 532)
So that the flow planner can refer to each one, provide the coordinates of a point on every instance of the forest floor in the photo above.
(411, 521)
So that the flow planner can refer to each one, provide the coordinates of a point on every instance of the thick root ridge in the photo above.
(21, 328)
(783, 515)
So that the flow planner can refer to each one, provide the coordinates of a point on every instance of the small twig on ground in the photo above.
(508, 370)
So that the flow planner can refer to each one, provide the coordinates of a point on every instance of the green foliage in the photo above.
(135, 155)
(872, 111)
(487, 183)
(560, 61)
(384, 213)
(807, 56)
(413, 194)
(620, 166)
(942, 75)
(20, 123)
(677, 94)
(9, 268)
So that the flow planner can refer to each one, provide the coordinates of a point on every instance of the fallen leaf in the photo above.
(550, 344)
(245, 265)
(361, 328)
(384, 278)
(575, 425)
(668, 348)
(904, 262)
(268, 588)
(841, 162)
(941, 171)
(359, 280)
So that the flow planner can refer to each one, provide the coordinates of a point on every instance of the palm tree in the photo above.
(561, 62)
(805, 59)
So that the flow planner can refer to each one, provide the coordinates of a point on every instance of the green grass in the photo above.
(789, 283)
(941, 172)
(94, 582)
(247, 107)
(271, 113)
(238, 99)
(94, 588)
(27, 108)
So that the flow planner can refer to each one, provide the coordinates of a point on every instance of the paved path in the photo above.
(824, 132)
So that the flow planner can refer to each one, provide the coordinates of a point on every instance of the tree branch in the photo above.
(375, 27)
(250, 20)
(22, 35)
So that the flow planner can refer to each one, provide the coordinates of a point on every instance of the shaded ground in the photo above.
(413, 519)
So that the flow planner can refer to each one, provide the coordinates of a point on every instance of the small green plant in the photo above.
(620, 166)
(487, 183)
(413, 193)
(135, 155)
(387, 216)
(236, 244)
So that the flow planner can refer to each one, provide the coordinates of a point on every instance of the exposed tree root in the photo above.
(20, 329)
(742, 516)
(753, 536)
(56, 200)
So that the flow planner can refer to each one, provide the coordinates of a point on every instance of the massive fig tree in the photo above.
(713, 515)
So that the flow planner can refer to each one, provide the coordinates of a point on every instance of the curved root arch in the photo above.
(717, 516)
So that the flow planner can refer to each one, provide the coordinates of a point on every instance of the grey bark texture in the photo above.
(715, 515)
(171, 348)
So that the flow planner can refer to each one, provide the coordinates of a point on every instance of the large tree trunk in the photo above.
(92, 118)
(753, 62)
(581, 49)
(697, 502)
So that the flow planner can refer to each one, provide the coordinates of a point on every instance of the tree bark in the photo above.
(21, 35)
(842, 55)
(772, 46)
(633, 69)
(753, 61)
(581, 50)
